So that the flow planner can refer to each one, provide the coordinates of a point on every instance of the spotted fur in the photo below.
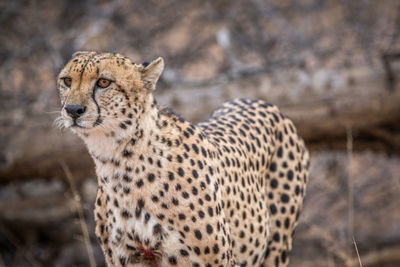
(225, 192)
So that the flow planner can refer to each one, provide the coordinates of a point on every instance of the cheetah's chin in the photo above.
(78, 125)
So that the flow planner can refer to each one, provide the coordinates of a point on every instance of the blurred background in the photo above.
(332, 65)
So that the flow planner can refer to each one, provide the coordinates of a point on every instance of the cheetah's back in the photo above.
(262, 164)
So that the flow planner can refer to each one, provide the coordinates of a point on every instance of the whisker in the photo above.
(59, 123)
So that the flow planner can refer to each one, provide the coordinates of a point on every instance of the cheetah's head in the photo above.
(101, 91)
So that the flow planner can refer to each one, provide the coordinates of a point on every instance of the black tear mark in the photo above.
(99, 120)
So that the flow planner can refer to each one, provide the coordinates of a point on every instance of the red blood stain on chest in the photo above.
(148, 255)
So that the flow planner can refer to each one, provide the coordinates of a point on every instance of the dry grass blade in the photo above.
(358, 254)
(349, 148)
(79, 208)
(350, 188)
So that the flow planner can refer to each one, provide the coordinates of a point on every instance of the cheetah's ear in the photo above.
(151, 73)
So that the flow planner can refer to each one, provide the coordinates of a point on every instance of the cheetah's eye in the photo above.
(67, 81)
(103, 83)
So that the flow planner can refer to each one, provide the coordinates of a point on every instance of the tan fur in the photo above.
(226, 192)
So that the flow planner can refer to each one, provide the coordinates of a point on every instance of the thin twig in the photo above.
(349, 147)
(358, 255)
(79, 208)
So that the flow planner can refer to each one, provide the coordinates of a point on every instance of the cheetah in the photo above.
(224, 192)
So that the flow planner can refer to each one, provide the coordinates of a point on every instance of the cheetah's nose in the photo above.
(75, 111)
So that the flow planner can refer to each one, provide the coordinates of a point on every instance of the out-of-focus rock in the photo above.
(356, 196)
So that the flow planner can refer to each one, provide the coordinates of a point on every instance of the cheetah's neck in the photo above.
(156, 133)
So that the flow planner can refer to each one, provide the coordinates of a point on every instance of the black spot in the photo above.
(274, 183)
(215, 249)
(255, 259)
(138, 211)
(273, 209)
(287, 223)
(197, 250)
(201, 214)
(203, 151)
(157, 229)
(146, 218)
(285, 198)
(297, 190)
(209, 229)
(127, 178)
(140, 203)
(181, 172)
(290, 175)
(172, 260)
(276, 237)
(175, 201)
(139, 183)
(154, 198)
(276, 261)
(179, 158)
(198, 235)
(184, 253)
(210, 211)
(283, 256)
(272, 167)
(195, 148)
(150, 177)
(194, 191)
(122, 260)
(279, 152)
(166, 187)
(126, 214)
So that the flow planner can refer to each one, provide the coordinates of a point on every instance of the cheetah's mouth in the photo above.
(77, 124)
(81, 124)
